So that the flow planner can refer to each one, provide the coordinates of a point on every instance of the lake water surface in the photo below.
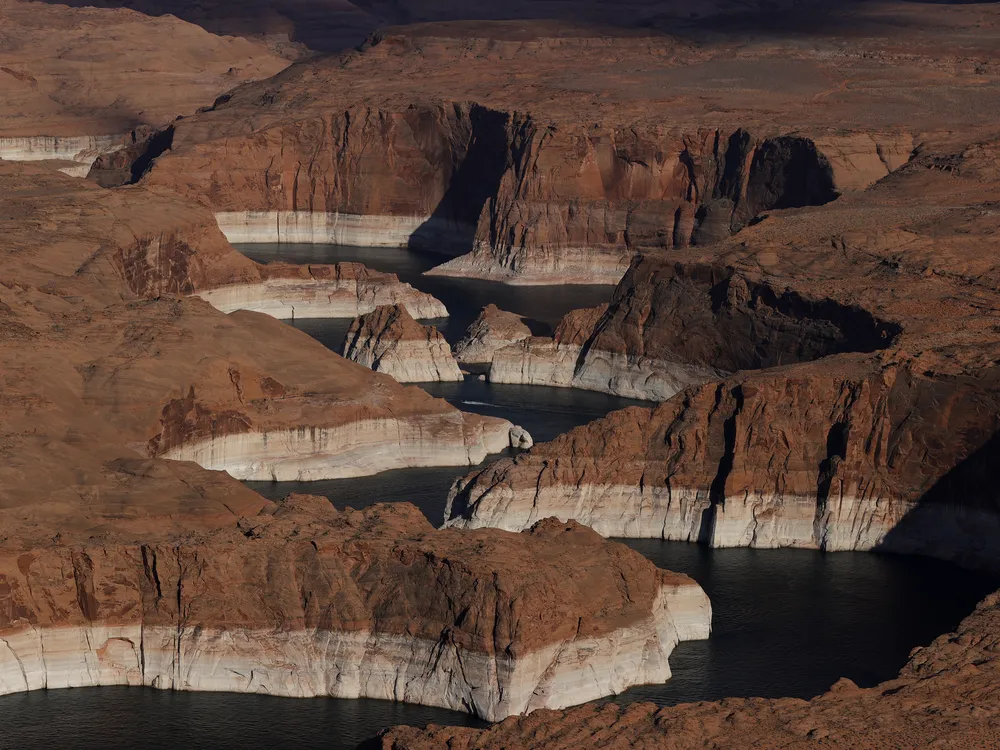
(786, 622)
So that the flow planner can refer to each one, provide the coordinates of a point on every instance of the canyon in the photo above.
(794, 219)
(853, 418)
(500, 171)
(136, 558)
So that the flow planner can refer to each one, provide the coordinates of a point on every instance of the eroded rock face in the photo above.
(671, 325)
(533, 182)
(943, 697)
(389, 340)
(857, 418)
(493, 330)
(106, 342)
(118, 566)
(302, 600)
(199, 262)
(340, 290)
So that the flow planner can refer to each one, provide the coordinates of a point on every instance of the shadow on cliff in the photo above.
(475, 180)
(958, 518)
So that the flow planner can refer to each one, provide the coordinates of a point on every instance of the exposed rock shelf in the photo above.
(942, 697)
(673, 325)
(856, 418)
(82, 151)
(342, 290)
(570, 360)
(301, 600)
(356, 448)
(319, 228)
(390, 341)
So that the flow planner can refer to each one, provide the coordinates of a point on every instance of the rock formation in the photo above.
(943, 697)
(148, 367)
(298, 599)
(77, 82)
(340, 290)
(534, 180)
(493, 330)
(120, 567)
(864, 411)
(389, 340)
(570, 360)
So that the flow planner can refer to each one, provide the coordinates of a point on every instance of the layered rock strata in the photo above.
(491, 331)
(318, 228)
(864, 411)
(570, 360)
(389, 340)
(75, 80)
(533, 176)
(943, 697)
(119, 566)
(341, 290)
(104, 344)
(81, 151)
(301, 600)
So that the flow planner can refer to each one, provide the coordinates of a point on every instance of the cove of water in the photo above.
(464, 298)
(786, 622)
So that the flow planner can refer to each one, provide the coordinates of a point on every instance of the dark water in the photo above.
(786, 622)
(792, 622)
(464, 298)
(123, 717)
(544, 412)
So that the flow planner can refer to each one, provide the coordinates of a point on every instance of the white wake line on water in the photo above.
(478, 403)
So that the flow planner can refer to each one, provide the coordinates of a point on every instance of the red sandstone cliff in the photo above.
(539, 184)
(864, 410)
(389, 340)
(943, 698)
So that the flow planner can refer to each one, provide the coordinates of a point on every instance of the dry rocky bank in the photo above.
(944, 697)
(861, 408)
(120, 567)
(850, 345)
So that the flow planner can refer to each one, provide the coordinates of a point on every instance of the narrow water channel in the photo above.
(786, 622)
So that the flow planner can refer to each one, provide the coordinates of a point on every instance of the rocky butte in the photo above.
(492, 330)
(118, 566)
(389, 340)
